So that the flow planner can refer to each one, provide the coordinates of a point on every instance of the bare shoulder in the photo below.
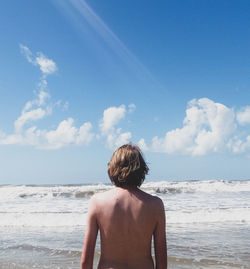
(156, 204)
(99, 198)
(153, 199)
(102, 195)
(159, 205)
(92, 202)
(157, 200)
(159, 209)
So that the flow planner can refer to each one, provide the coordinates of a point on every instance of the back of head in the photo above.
(127, 166)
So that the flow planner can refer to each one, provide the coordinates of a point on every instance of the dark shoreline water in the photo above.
(27, 259)
(187, 248)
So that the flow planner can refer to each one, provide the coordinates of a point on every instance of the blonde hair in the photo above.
(127, 166)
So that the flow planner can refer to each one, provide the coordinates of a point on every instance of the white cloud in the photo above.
(243, 116)
(238, 146)
(40, 101)
(111, 117)
(206, 128)
(117, 139)
(32, 115)
(47, 66)
(84, 136)
(65, 133)
(12, 139)
(27, 53)
(142, 145)
(35, 109)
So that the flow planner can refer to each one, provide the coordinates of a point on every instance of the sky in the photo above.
(80, 78)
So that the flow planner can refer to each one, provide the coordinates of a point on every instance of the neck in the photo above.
(128, 188)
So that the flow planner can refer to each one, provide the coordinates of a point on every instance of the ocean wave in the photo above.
(50, 192)
(42, 219)
(166, 190)
(83, 194)
(235, 215)
(209, 186)
(12, 192)
(73, 219)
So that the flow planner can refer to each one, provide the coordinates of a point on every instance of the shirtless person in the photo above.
(127, 218)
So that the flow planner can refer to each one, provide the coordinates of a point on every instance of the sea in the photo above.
(207, 223)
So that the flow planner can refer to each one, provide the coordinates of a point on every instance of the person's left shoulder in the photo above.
(99, 198)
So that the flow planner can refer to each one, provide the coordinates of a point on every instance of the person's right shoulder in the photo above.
(153, 198)
(157, 200)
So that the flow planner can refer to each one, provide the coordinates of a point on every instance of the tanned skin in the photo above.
(128, 219)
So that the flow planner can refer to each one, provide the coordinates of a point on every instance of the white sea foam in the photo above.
(42, 219)
(78, 219)
(198, 186)
(209, 216)
(199, 214)
(17, 192)
(185, 202)
(64, 191)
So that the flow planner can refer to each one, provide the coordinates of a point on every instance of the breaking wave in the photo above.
(66, 205)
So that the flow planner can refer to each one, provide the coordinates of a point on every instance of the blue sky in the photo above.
(79, 78)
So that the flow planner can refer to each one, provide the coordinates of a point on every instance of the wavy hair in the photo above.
(127, 166)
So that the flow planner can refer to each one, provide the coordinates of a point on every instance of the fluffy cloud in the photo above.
(65, 133)
(239, 146)
(42, 96)
(111, 117)
(243, 116)
(47, 66)
(116, 138)
(38, 108)
(206, 128)
(142, 144)
(32, 115)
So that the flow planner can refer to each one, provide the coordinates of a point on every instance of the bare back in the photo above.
(126, 219)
